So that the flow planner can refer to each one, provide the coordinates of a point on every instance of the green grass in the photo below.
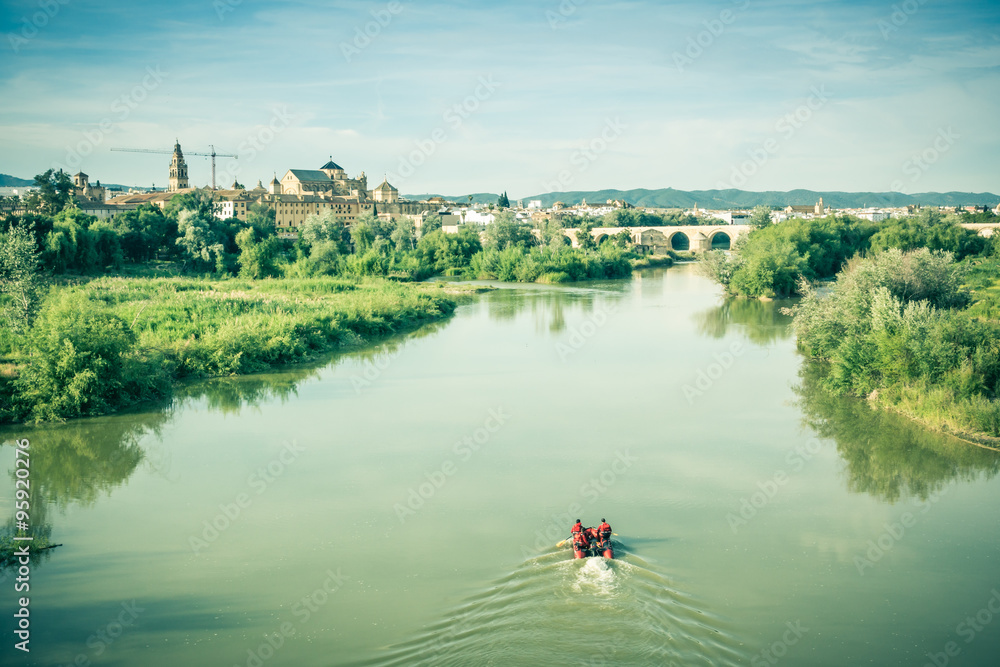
(189, 328)
(218, 327)
(652, 261)
(983, 280)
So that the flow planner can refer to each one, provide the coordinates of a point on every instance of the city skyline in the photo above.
(512, 96)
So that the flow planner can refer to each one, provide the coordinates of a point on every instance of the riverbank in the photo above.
(102, 346)
(901, 330)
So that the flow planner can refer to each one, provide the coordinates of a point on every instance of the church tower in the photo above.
(178, 170)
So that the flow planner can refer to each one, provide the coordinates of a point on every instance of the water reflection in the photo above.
(761, 321)
(550, 306)
(887, 455)
(75, 463)
(79, 461)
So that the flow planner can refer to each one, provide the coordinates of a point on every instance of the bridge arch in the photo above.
(680, 241)
(720, 241)
(601, 238)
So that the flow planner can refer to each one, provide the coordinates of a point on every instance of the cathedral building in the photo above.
(178, 170)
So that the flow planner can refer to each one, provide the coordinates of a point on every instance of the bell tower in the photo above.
(178, 170)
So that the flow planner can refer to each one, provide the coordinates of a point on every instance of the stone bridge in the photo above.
(702, 238)
(983, 228)
(697, 238)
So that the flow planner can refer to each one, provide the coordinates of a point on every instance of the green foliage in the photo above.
(261, 218)
(202, 238)
(886, 454)
(930, 230)
(769, 267)
(552, 235)
(431, 223)
(55, 190)
(506, 232)
(99, 347)
(515, 264)
(404, 236)
(324, 229)
(503, 201)
(144, 232)
(893, 328)
(760, 217)
(19, 278)
(773, 261)
(630, 217)
(584, 238)
(444, 253)
(362, 236)
(83, 361)
(258, 256)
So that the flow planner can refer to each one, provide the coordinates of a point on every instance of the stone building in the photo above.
(330, 180)
(385, 193)
(83, 188)
(178, 170)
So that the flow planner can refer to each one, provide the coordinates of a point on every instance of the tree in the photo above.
(55, 190)
(201, 236)
(584, 238)
(760, 217)
(404, 237)
(552, 234)
(84, 361)
(379, 227)
(257, 256)
(506, 232)
(323, 228)
(431, 223)
(623, 239)
(261, 218)
(19, 277)
(144, 231)
(502, 201)
(362, 236)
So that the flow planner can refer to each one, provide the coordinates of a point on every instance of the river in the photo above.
(401, 505)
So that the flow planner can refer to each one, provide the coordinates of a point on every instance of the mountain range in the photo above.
(742, 199)
(707, 199)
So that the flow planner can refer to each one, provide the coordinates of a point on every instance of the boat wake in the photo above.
(580, 612)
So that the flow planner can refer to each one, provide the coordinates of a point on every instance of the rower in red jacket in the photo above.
(604, 529)
(581, 545)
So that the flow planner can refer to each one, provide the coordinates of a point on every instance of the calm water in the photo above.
(401, 506)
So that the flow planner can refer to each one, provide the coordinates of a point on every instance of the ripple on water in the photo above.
(551, 610)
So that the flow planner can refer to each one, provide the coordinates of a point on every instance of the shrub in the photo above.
(83, 361)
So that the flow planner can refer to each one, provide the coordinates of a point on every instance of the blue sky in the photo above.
(519, 96)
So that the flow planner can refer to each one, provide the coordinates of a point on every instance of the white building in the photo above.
(478, 218)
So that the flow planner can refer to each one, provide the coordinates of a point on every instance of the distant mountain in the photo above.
(7, 181)
(727, 199)
(13, 181)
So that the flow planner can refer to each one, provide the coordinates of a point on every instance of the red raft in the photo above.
(591, 543)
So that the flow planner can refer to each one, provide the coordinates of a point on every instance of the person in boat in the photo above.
(593, 535)
(604, 529)
(577, 527)
(580, 541)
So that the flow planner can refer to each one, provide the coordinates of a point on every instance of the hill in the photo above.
(726, 199)
(13, 181)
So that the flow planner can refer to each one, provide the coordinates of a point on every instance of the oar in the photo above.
(560, 544)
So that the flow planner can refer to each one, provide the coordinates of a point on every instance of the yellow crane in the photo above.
(212, 155)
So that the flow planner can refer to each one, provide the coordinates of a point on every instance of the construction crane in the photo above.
(212, 155)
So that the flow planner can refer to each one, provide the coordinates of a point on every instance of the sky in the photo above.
(524, 97)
